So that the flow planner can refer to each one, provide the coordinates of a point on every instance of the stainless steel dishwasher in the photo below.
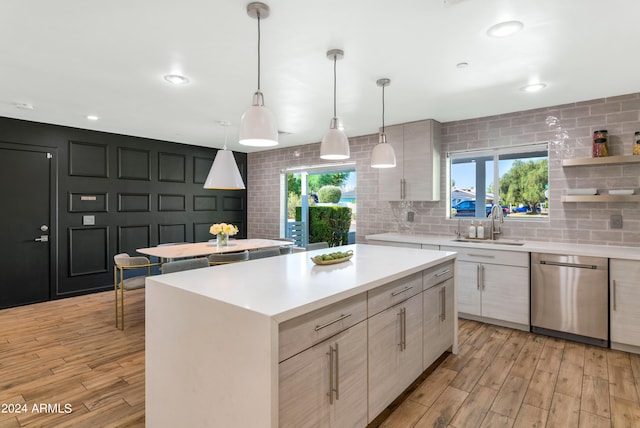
(569, 297)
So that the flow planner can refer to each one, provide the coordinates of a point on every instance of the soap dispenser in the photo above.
(480, 231)
(472, 230)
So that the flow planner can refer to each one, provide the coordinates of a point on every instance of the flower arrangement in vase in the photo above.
(222, 232)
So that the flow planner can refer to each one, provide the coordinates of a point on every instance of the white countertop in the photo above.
(613, 252)
(287, 286)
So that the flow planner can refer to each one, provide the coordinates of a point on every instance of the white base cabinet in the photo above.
(438, 321)
(624, 302)
(493, 285)
(326, 385)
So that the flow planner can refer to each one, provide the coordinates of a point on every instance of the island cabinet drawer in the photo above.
(393, 293)
(482, 255)
(303, 332)
(437, 274)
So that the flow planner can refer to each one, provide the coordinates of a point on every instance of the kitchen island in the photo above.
(218, 339)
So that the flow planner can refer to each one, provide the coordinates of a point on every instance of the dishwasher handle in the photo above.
(571, 265)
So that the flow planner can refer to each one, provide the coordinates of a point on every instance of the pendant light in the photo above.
(224, 173)
(383, 155)
(258, 125)
(334, 145)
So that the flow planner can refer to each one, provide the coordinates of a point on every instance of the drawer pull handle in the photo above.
(486, 256)
(340, 318)
(442, 273)
(395, 293)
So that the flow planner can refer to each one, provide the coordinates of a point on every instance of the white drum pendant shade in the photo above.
(224, 173)
(383, 155)
(335, 144)
(258, 125)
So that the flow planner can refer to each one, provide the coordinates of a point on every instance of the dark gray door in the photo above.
(24, 226)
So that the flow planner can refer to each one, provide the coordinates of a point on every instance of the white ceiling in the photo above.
(70, 58)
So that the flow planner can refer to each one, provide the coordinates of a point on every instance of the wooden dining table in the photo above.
(199, 249)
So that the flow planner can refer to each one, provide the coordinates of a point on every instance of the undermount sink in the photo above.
(488, 241)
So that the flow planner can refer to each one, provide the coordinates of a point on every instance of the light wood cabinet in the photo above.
(302, 332)
(505, 293)
(343, 364)
(624, 301)
(416, 176)
(493, 285)
(326, 385)
(438, 313)
(395, 352)
(469, 294)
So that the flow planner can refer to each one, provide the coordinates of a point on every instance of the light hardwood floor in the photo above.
(68, 351)
(510, 378)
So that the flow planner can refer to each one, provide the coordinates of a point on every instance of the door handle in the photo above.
(334, 373)
(42, 238)
(330, 393)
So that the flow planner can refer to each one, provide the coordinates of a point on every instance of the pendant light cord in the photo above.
(335, 60)
(225, 125)
(383, 109)
(258, 16)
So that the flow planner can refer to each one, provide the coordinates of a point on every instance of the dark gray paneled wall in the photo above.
(142, 192)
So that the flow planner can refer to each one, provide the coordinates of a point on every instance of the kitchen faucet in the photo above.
(494, 232)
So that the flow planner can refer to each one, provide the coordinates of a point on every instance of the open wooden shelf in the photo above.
(600, 198)
(607, 160)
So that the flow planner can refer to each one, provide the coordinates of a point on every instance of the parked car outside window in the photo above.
(468, 209)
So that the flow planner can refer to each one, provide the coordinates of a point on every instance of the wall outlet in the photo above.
(615, 222)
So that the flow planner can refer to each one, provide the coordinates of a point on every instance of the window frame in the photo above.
(494, 154)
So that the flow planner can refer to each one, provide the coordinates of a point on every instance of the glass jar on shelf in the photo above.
(600, 148)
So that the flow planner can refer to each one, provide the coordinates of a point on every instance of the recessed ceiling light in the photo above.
(92, 117)
(462, 65)
(504, 29)
(176, 79)
(533, 87)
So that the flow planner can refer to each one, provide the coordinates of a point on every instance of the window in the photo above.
(299, 189)
(521, 174)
